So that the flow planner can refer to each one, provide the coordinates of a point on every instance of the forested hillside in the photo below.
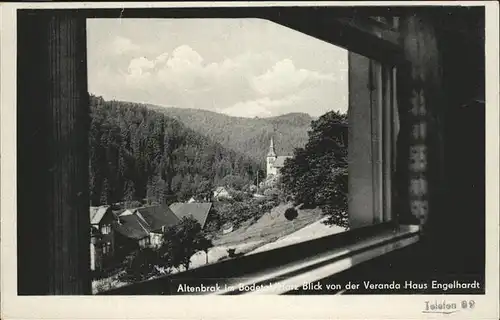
(138, 153)
(246, 135)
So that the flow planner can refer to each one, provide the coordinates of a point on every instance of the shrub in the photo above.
(132, 204)
(238, 196)
(267, 206)
(233, 181)
(140, 265)
(291, 214)
(272, 193)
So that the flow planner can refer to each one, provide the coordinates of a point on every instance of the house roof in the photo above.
(221, 192)
(138, 223)
(131, 226)
(117, 213)
(97, 213)
(220, 189)
(158, 216)
(280, 161)
(198, 211)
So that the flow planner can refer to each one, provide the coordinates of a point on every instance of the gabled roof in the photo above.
(131, 226)
(280, 161)
(97, 213)
(158, 216)
(221, 192)
(198, 211)
(138, 223)
(220, 189)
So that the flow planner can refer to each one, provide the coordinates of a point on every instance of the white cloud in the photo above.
(284, 77)
(313, 100)
(247, 85)
(139, 66)
(246, 67)
(184, 69)
(253, 108)
(263, 107)
(121, 45)
(184, 58)
(162, 58)
(106, 81)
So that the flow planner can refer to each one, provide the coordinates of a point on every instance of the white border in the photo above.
(238, 307)
(215, 4)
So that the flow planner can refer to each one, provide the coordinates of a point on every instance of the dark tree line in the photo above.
(137, 153)
(317, 174)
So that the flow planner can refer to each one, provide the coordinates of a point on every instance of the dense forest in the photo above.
(137, 153)
(249, 136)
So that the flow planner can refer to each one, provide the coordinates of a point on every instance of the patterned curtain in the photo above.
(420, 144)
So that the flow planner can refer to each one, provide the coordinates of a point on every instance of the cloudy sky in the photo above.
(241, 67)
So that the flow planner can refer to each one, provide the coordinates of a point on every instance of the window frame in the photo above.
(377, 103)
(145, 242)
(106, 248)
(366, 40)
(106, 229)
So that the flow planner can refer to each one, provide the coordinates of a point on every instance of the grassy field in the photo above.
(269, 227)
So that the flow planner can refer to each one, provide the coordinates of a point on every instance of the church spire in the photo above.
(271, 152)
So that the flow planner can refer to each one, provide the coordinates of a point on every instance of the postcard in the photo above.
(318, 160)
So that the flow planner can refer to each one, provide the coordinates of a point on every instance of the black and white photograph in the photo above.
(252, 149)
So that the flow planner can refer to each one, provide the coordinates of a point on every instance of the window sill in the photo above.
(292, 265)
(295, 275)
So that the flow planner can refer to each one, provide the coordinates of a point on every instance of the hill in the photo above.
(138, 153)
(249, 136)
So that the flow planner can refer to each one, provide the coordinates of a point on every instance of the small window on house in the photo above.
(106, 229)
(156, 239)
(106, 248)
(144, 242)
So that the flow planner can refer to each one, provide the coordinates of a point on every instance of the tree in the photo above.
(238, 196)
(204, 190)
(203, 245)
(140, 265)
(233, 181)
(183, 240)
(272, 193)
(291, 214)
(105, 192)
(317, 174)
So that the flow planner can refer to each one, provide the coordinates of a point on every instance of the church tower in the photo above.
(271, 157)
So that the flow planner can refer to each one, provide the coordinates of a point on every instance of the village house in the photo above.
(221, 193)
(199, 211)
(119, 232)
(102, 238)
(145, 225)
